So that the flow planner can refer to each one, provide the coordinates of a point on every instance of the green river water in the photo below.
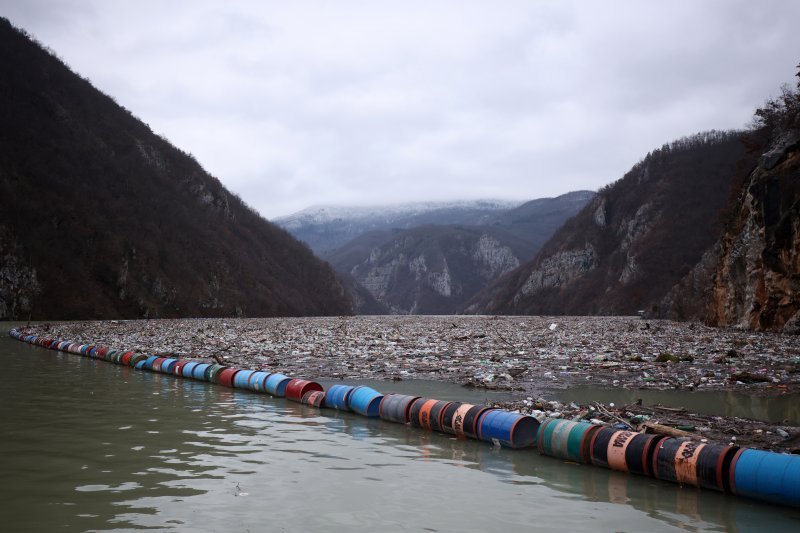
(89, 446)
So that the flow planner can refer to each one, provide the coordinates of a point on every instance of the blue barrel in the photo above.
(199, 372)
(187, 369)
(257, 381)
(166, 366)
(768, 476)
(366, 401)
(512, 430)
(276, 384)
(241, 380)
(337, 397)
(148, 363)
(140, 364)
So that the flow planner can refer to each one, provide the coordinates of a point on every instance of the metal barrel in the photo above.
(188, 369)
(768, 476)
(156, 365)
(276, 384)
(365, 401)
(599, 446)
(225, 376)
(338, 397)
(177, 368)
(167, 365)
(512, 430)
(126, 358)
(465, 418)
(199, 371)
(315, 398)
(566, 439)
(436, 416)
(415, 412)
(676, 460)
(257, 381)
(242, 379)
(447, 416)
(297, 388)
(617, 450)
(212, 371)
(640, 451)
(148, 362)
(397, 407)
(714, 465)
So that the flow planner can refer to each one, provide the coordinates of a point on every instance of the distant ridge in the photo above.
(101, 218)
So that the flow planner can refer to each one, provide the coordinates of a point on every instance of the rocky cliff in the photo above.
(101, 218)
(635, 240)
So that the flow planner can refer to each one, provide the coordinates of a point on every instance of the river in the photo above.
(88, 445)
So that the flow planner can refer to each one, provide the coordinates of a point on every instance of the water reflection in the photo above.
(93, 446)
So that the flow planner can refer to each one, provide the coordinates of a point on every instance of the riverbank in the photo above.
(529, 356)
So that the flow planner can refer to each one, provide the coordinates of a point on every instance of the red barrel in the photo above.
(296, 389)
(314, 397)
(225, 377)
(126, 358)
(156, 366)
(177, 368)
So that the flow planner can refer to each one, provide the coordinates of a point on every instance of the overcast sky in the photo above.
(294, 103)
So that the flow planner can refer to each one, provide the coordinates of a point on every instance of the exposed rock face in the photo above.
(635, 240)
(756, 283)
(18, 282)
(430, 269)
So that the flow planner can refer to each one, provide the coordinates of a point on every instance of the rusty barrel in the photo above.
(177, 369)
(714, 466)
(512, 430)
(419, 414)
(156, 365)
(676, 460)
(136, 359)
(397, 407)
(225, 376)
(447, 416)
(315, 398)
(297, 388)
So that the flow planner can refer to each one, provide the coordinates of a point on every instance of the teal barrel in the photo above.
(188, 369)
(212, 371)
(258, 381)
(276, 384)
(338, 396)
(768, 476)
(137, 358)
(512, 430)
(199, 371)
(566, 439)
(242, 379)
(365, 401)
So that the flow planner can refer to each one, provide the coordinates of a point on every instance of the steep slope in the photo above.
(99, 217)
(635, 240)
(429, 269)
(751, 276)
(326, 228)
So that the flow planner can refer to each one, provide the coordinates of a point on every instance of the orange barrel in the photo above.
(599, 446)
(714, 466)
(676, 460)
(225, 377)
(513, 430)
(257, 381)
(315, 398)
(617, 449)
(436, 416)
(465, 419)
(640, 451)
(415, 412)
(297, 388)
(397, 407)
(447, 416)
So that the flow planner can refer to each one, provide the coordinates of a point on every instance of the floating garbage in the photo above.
(730, 469)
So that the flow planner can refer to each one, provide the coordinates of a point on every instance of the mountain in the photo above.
(326, 228)
(429, 269)
(635, 240)
(101, 218)
(750, 277)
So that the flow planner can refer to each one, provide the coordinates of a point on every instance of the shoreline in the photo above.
(526, 356)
